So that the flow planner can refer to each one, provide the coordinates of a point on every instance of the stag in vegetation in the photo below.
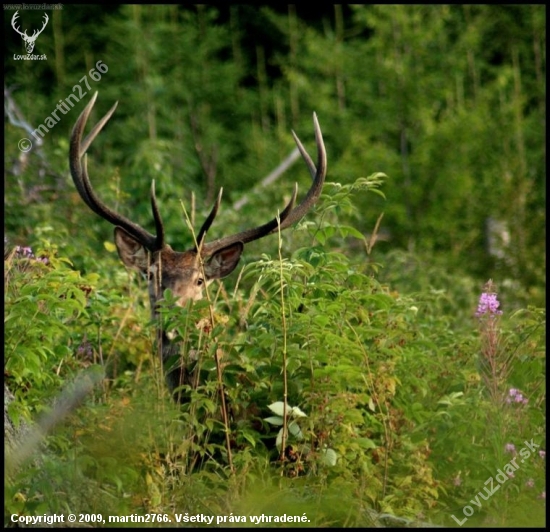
(185, 273)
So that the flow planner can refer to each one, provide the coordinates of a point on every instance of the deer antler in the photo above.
(288, 216)
(79, 171)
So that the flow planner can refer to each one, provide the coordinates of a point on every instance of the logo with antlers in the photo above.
(29, 41)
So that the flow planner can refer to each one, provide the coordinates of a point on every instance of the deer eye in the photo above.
(200, 281)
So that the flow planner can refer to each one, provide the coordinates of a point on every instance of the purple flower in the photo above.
(517, 397)
(520, 399)
(488, 304)
(542, 454)
(85, 350)
(530, 483)
(25, 252)
(510, 448)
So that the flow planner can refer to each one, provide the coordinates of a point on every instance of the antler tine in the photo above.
(78, 149)
(317, 174)
(208, 222)
(159, 226)
(289, 215)
(79, 172)
(85, 144)
(252, 234)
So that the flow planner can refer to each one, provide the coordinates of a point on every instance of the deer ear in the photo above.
(224, 261)
(130, 251)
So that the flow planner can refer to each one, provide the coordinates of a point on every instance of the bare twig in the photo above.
(25, 443)
(16, 118)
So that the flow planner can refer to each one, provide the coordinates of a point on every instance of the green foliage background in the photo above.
(447, 101)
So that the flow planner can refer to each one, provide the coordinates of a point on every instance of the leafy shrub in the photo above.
(399, 418)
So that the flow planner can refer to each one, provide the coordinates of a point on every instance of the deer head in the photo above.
(29, 41)
(184, 273)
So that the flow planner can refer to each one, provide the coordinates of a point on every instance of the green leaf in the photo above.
(296, 412)
(366, 443)
(295, 430)
(277, 408)
(275, 420)
(329, 457)
(279, 439)
(347, 230)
